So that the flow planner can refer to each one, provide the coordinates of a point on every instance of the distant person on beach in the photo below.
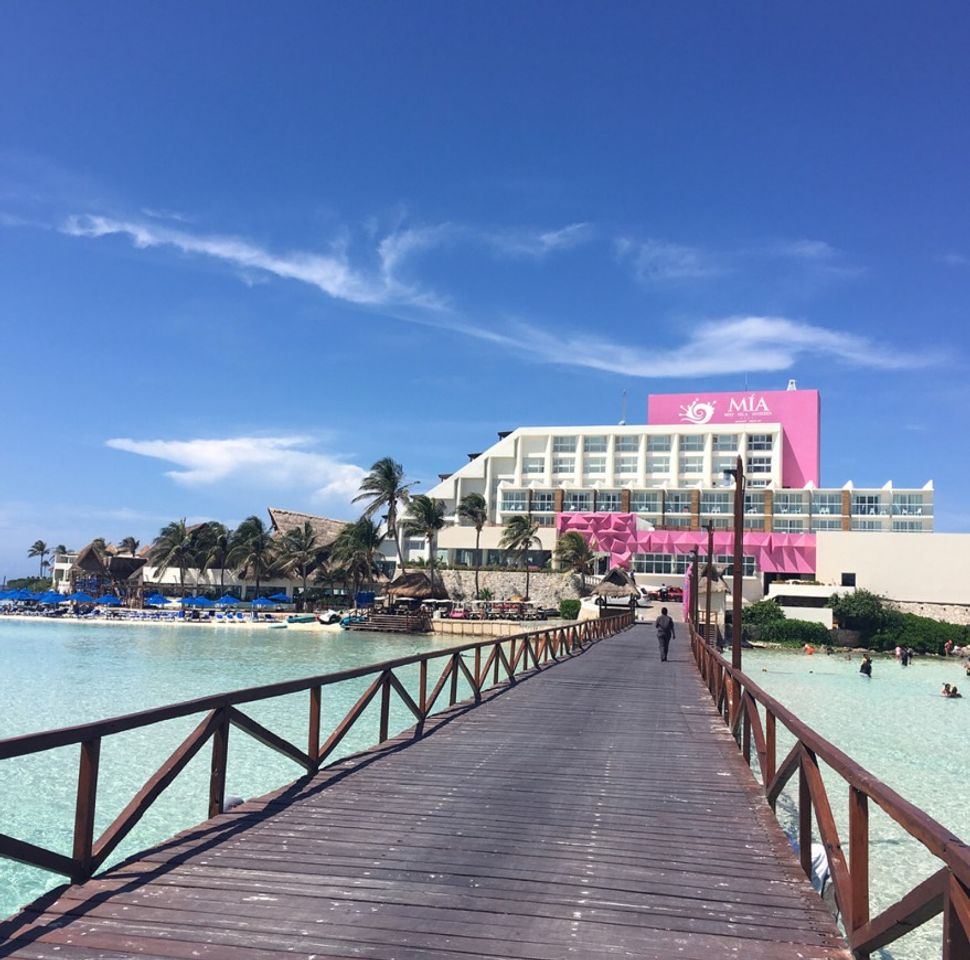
(951, 693)
(865, 667)
(904, 657)
(665, 632)
(947, 648)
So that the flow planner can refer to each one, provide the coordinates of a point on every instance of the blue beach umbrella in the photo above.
(109, 600)
(24, 595)
(204, 602)
(262, 602)
(80, 597)
(156, 600)
(227, 601)
(52, 596)
(189, 601)
(280, 598)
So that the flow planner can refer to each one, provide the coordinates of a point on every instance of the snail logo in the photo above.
(697, 412)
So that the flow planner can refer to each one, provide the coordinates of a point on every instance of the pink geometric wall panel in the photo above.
(798, 412)
(617, 535)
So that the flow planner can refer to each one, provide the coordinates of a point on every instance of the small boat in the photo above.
(278, 626)
(328, 617)
(301, 618)
(350, 621)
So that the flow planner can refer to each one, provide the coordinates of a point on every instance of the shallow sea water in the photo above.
(900, 729)
(55, 675)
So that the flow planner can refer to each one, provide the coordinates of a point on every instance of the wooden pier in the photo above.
(587, 802)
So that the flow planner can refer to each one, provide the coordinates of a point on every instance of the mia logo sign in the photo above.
(697, 412)
(748, 405)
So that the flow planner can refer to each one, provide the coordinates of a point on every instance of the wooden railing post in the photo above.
(385, 708)
(423, 687)
(858, 860)
(771, 758)
(217, 769)
(313, 731)
(453, 691)
(87, 795)
(745, 731)
(804, 820)
(479, 680)
(956, 920)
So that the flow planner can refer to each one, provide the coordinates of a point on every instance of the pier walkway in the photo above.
(597, 808)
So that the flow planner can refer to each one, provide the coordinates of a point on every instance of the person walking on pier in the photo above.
(665, 631)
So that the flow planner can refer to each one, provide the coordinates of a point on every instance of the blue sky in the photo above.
(246, 250)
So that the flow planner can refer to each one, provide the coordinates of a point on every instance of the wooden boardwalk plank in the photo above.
(598, 808)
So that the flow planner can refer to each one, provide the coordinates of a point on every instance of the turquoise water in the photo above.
(58, 674)
(898, 727)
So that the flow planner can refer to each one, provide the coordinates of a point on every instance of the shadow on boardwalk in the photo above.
(597, 809)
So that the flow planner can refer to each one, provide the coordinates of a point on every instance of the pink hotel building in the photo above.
(643, 494)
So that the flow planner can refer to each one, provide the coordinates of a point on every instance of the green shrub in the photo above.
(569, 609)
(793, 633)
(762, 613)
(921, 633)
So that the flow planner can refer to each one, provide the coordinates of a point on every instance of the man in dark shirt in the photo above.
(665, 630)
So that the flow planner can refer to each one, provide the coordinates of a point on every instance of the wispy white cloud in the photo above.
(953, 259)
(285, 462)
(537, 244)
(804, 249)
(331, 273)
(752, 344)
(654, 260)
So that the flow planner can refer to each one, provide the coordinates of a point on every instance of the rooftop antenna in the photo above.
(623, 411)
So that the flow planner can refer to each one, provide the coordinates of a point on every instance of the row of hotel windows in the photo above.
(660, 443)
(630, 464)
(784, 503)
(677, 563)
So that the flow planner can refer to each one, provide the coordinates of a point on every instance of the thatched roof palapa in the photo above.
(717, 581)
(617, 583)
(327, 530)
(416, 586)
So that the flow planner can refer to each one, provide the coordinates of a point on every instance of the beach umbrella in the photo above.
(80, 597)
(227, 601)
(262, 602)
(189, 601)
(204, 602)
(23, 594)
(156, 600)
(52, 596)
(109, 600)
(280, 598)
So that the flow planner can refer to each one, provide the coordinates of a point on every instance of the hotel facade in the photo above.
(644, 495)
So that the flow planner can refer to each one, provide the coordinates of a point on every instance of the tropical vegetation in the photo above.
(39, 549)
(299, 553)
(425, 517)
(385, 491)
(176, 545)
(253, 553)
(354, 554)
(574, 555)
(129, 545)
(473, 510)
(519, 537)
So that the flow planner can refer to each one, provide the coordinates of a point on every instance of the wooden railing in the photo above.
(947, 891)
(495, 660)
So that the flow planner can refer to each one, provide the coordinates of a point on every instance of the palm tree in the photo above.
(39, 549)
(519, 537)
(425, 517)
(100, 547)
(129, 545)
(216, 545)
(59, 550)
(177, 545)
(385, 488)
(254, 552)
(300, 552)
(574, 554)
(355, 551)
(473, 509)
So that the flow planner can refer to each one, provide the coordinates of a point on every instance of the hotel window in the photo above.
(563, 444)
(908, 504)
(658, 444)
(760, 441)
(725, 561)
(721, 464)
(788, 525)
(594, 444)
(534, 465)
(826, 523)
(577, 501)
(754, 503)
(596, 464)
(543, 501)
(626, 464)
(694, 441)
(726, 442)
(563, 464)
(677, 503)
(866, 523)
(658, 465)
(867, 504)
(907, 526)
(677, 520)
(608, 501)
(691, 464)
(827, 503)
(719, 523)
(759, 465)
(785, 503)
(653, 563)
(643, 502)
(515, 501)
(627, 444)
(545, 521)
(716, 502)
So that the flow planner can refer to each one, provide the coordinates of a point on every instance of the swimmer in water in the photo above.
(866, 666)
